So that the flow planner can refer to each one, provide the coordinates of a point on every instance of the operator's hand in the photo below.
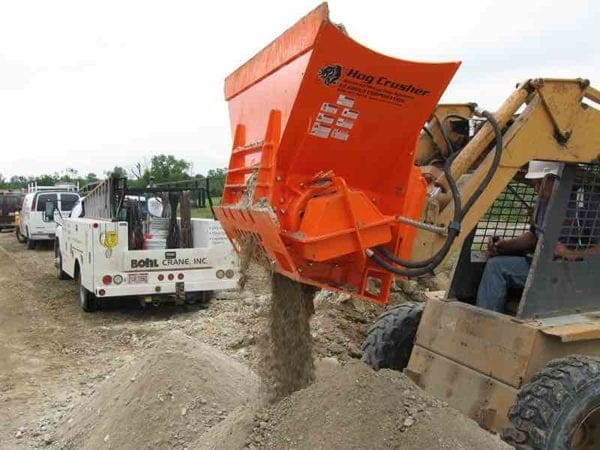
(561, 251)
(493, 246)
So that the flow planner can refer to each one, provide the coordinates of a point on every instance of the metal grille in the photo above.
(508, 217)
(581, 227)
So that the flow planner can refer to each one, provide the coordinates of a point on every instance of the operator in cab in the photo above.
(508, 264)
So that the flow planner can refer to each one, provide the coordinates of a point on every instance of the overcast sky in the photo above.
(93, 84)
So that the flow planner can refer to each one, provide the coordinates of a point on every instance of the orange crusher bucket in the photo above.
(324, 136)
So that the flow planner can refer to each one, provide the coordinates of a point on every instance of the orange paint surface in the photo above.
(326, 131)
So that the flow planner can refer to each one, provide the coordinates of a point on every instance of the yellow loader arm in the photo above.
(559, 122)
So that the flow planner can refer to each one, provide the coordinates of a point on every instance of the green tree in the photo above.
(47, 180)
(216, 180)
(166, 168)
(17, 182)
(90, 178)
(116, 171)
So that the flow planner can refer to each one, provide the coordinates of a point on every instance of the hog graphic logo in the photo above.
(330, 74)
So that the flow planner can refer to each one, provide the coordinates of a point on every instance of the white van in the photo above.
(37, 212)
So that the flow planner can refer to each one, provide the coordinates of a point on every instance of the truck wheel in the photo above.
(199, 297)
(22, 239)
(390, 340)
(60, 273)
(30, 244)
(87, 300)
(559, 408)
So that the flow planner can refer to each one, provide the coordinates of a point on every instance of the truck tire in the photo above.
(87, 300)
(22, 239)
(30, 242)
(559, 408)
(390, 340)
(60, 273)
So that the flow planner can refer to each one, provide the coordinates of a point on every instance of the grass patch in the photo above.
(205, 213)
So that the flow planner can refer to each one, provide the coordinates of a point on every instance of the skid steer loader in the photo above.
(339, 185)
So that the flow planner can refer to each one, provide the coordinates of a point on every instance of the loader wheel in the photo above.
(87, 300)
(559, 408)
(390, 340)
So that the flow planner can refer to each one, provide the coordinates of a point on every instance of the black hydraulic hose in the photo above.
(437, 151)
(430, 134)
(495, 163)
(453, 229)
(426, 266)
(385, 264)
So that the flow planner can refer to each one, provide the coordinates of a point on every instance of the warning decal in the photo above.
(342, 135)
(345, 101)
(334, 120)
(320, 130)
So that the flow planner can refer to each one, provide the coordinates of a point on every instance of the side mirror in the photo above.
(49, 211)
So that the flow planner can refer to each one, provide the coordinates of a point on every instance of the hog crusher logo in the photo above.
(330, 74)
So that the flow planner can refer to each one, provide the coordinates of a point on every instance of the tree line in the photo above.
(161, 168)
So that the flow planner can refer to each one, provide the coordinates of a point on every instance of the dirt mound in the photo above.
(165, 399)
(352, 407)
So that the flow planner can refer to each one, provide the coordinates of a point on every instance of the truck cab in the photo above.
(10, 204)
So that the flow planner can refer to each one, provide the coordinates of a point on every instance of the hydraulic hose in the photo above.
(436, 148)
(427, 265)
(453, 229)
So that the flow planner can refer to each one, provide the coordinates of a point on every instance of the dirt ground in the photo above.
(53, 355)
(61, 369)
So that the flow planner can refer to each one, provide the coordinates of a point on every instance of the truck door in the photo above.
(38, 217)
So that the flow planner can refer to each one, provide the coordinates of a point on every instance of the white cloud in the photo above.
(91, 85)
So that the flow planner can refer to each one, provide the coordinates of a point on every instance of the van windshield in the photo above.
(67, 201)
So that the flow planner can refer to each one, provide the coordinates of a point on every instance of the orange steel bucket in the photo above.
(324, 137)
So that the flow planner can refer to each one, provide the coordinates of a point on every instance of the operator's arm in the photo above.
(517, 246)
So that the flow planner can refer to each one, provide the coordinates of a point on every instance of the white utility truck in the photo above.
(117, 246)
(36, 216)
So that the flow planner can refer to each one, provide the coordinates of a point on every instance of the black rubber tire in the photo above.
(390, 340)
(30, 244)
(60, 274)
(550, 408)
(22, 239)
(87, 300)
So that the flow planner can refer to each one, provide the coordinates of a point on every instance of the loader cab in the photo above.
(554, 286)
